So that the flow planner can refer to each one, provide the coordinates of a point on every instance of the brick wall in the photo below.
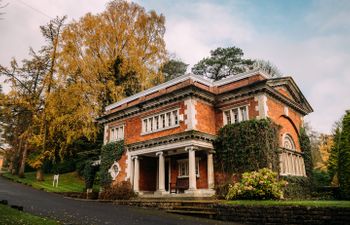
(252, 106)
(122, 174)
(290, 123)
(205, 115)
(133, 126)
(240, 83)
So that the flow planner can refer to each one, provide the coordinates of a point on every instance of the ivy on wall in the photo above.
(305, 146)
(247, 146)
(109, 153)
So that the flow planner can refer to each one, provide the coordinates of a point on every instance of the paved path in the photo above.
(70, 211)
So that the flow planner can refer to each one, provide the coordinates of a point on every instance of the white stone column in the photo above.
(210, 170)
(161, 172)
(136, 174)
(192, 168)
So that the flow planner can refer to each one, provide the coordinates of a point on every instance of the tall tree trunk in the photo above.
(39, 175)
(23, 161)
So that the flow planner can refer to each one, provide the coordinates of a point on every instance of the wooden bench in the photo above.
(180, 186)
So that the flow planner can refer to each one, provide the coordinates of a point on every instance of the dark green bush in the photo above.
(247, 146)
(320, 178)
(109, 153)
(65, 166)
(297, 187)
(89, 174)
(121, 190)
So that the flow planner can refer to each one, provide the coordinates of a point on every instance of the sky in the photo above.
(306, 39)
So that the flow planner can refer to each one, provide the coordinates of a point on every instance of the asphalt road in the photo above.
(70, 211)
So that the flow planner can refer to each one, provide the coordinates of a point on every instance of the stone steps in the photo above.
(195, 208)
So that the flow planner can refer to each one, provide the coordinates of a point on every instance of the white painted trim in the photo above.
(190, 111)
(112, 172)
(169, 147)
(185, 77)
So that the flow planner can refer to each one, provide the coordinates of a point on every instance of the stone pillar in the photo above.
(161, 172)
(192, 168)
(136, 174)
(210, 170)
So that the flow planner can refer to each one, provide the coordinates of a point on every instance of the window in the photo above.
(291, 161)
(114, 170)
(183, 167)
(162, 121)
(236, 115)
(116, 133)
(288, 142)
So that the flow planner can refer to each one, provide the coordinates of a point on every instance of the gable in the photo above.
(289, 89)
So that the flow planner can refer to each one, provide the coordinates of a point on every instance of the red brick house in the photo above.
(168, 129)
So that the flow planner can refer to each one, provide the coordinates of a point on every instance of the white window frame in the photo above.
(112, 172)
(291, 164)
(116, 133)
(184, 163)
(231, 114)
(160, 121)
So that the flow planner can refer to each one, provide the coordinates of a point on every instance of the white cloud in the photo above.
(204, 27)
(317, 57)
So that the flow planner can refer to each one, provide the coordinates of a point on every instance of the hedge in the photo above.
(247, 146)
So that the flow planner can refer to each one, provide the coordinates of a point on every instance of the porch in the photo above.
(173, 171)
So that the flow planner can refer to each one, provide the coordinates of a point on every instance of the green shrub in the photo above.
(247, 146)
(320, 178)
(305, 146)
(344, 158)
(89, 174)
(297, 188)
(262, 184)
(121, 190)
(109, 153)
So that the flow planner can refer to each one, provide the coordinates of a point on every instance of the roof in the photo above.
(185, 77)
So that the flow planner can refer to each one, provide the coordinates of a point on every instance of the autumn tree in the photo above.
(114, 54)
(22, 103)
(223, 62)
(173, 68)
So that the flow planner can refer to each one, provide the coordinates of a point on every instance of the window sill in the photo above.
(197, 176)
(120, 139)
(162, 129)
(290, 174)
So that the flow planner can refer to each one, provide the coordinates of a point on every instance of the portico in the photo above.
(170, 164)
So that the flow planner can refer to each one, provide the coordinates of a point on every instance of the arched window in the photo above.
(288, 142)
(291, 161)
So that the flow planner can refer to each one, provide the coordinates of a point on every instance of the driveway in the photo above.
(70, 211)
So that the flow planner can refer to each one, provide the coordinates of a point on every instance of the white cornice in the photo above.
(185, 77)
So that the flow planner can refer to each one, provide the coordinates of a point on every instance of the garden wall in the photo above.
(283, 214)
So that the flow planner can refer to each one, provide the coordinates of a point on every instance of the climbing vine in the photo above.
(109, 153)
(305, 146)
(247, 146)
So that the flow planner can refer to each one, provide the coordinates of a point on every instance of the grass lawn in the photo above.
(68, 182)
(318, 203)
(9, 216)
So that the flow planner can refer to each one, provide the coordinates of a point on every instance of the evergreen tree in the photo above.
(223, 62)
(344, 158)
(305, 145)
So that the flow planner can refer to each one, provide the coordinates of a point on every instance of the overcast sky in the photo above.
(308, 40)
